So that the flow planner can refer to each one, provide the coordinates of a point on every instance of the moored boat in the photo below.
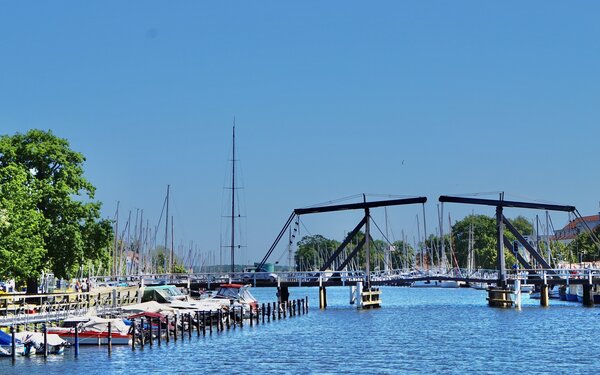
(93, 330)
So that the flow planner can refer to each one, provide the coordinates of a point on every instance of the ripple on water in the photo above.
(416, 331)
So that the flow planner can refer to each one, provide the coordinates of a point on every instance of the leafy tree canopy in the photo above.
(47, 177)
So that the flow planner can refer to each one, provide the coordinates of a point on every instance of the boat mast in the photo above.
(116, 241)
(233, 203)
(166, 231)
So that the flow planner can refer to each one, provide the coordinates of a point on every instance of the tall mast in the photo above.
(233, 203)
(167, 231)
(116, 241)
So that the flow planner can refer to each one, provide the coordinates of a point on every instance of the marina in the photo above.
(417, 331)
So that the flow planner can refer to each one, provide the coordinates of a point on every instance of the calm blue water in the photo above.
(449, 331)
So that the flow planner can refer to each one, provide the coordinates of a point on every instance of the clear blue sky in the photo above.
(331, 99)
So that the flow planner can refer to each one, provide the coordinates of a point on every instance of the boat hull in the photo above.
(93, 338)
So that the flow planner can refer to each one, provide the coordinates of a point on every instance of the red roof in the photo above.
(573, 223)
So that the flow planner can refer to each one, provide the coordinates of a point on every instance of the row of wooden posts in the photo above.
(205, 320)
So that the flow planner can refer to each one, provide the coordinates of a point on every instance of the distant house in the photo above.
(570, 231)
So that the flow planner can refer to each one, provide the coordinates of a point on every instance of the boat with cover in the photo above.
(33, 343)
(93, 330)
(237, 295)
(6, 345)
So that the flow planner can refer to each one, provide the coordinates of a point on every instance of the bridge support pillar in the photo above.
(517, 288)
(588, 296)
(499, 297)
(544, 300)
(283, 294)
(322, 297)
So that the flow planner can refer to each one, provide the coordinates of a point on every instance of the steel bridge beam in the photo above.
(340, 248)
(359, 206)
(503, 203)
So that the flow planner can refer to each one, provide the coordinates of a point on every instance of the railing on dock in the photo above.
(24, 309)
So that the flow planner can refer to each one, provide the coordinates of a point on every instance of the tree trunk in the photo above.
(32, 288)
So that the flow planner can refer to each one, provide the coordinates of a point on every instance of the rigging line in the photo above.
(477, 194)
(379, 229)
(390, 195)
(539, 200)
(592, 234)
(304, 226)
(161, 214)
(336, 200)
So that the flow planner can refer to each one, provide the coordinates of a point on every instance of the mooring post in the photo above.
(257, 315)
(251, 316)
(517, 287)
(322, 297)
(241, 316)
(159, 324)
(262, 312)
(197, 323)
(306, 299)
(210, 321)
(189, 326)
(109, 343)
(588, 296)
(273, 310)
(228, 313)
(142, 333)
(45, 332)
(544, 291)
(13, 343)
(204, 323)
(149, 320)
(168, 333)
(175, 328)
(132, 337)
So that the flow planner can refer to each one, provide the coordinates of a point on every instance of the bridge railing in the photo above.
(563, 273)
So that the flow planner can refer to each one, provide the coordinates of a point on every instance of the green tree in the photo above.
(313, 251)
(484, 240)
(402, 254)
(585, 247)
(74, 233)
(22, 226)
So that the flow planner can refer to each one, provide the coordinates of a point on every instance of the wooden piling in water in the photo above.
(45, 332)
(149, 320)
(262, 312)
(77, 339)
(322, 297)
(109, 343)
(544, 300)
(210, 322)
(197, 324)
(204, 323)
(13, 343)
(190, 326)
(588, 297)
(167, 329)
(132, 334)
(159, 323)
(175, 328)
(142, 333)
